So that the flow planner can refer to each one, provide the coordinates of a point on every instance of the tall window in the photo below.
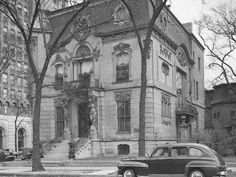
(20, 139)
(6, 107)
(12, 79)
(19, 81)
(59, 76)
(122, 67)
(199, 64)
(4, 78)
(197, 90)
(165, 106)
(5, 92)
(123, 112)
(84, 62)
(1, 138)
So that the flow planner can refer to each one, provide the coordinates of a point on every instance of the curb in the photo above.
(38, 174)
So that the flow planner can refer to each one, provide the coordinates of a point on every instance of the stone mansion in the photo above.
(92, 86)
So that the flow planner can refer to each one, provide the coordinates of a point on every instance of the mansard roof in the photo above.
(100, 14)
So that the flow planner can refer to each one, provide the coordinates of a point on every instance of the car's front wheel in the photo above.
(196, 173)
(128, 173)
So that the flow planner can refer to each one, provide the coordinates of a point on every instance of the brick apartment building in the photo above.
(220, 110)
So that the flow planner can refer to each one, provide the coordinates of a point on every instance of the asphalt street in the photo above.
(69, 171)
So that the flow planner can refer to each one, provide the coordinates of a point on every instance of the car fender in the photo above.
(209, 167)
(141, 169)
(9, 158)
(132, 164)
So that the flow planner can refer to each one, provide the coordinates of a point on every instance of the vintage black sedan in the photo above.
(5, 155)
(189, 159)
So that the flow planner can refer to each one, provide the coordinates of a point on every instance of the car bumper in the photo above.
(226, 173)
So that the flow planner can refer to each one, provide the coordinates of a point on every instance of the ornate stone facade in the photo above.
(104, 76)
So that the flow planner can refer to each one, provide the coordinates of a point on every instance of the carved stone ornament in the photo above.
(181, 56)
(121, 48)
(163, 20)
(166, 122)
(81, 28)
(121, 15)
(123, 95)
(165, 52)
(58, 59)
(165, 68)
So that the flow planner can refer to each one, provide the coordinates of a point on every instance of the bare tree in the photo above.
(7, 53)
(18, 111)
(157, 6)
(217, 30)
(9, 9)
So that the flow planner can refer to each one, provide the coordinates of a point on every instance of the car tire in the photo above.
(128, 173)
(196, 173)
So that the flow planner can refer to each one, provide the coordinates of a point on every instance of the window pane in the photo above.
(86, 67)
(123, 114)
(122, 67)
(195, 152)
(162, 152)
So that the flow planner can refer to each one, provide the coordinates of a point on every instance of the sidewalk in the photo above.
(59, 172)
(99, 167)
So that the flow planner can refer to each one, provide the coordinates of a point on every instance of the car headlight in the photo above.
(222, 173)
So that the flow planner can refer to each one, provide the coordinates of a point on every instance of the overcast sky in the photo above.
(190, 11)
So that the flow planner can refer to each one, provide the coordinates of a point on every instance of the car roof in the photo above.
(184, 144)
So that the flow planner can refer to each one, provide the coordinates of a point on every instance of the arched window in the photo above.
(21, 138)
(82, 51)
(21, 108)
(59, 76)
(84, 63)
(1, 138)
(1, 108)
(28, 109)
(14, 107)
(6, 107)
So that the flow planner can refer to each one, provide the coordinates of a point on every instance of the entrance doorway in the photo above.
(83, 120)
(60, 122)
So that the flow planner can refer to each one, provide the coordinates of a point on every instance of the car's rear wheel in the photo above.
(196, 173)
(128, 173)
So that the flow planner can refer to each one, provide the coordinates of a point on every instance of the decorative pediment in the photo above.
(123, 95)
(58, 59)
(121, 15)
(121, 48)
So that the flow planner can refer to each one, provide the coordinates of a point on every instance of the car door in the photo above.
(178, 160)
(159, 162)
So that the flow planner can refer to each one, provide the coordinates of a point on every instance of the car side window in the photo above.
(161, 152)
(195, 152)
(179, 151)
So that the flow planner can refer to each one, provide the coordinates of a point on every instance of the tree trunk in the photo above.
(15, 136)
(36, 160)
(141, 144)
